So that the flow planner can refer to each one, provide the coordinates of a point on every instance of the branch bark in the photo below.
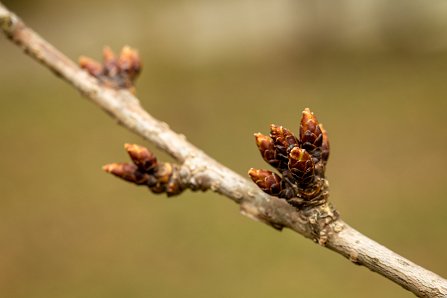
(206, 173)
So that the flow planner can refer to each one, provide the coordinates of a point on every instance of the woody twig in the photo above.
(294, 209)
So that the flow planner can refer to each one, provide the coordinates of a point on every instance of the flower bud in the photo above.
(110, 62)
(117, 73)
(284, 141)
(174, 185)
(128, 172)
(311, 137)
(142, 157)
(267, 148)
(267, 181)
(129, 62)
(301, 166)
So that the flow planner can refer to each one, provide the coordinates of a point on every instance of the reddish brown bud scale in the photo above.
(142, 157)
(117, 73)
(164, 172)
(311, 136)
(301, 166)
(166, 180)
(158, 176)
(283, 137)
(267, 148)
(325, 148)
(174, 186)
(129, 62)
(128, 172)
(267, 181)
(110, 63)
(284, 141)
(300, 161)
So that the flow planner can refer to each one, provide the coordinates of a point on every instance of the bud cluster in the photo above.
(301, 163)
(146, 170)
(115, 72)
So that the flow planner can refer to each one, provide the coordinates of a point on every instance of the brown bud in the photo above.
(129, 62)
(325, 145)
(117, 73)
(109, 60)
(311, 136)
(267, 148)
(166, 179)
(301, 166)
(142, 157)
(284, 141)
(107, 54)
(146, 170)
(174, 185)
(93, 67)
(300, 161)
(128, 172)
(164, 172)
(267, 181)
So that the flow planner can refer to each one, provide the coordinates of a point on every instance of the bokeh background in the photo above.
(374, 72)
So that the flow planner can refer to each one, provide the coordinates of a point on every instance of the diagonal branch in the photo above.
(205, 173)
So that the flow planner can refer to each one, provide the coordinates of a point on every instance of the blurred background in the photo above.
(374, 72)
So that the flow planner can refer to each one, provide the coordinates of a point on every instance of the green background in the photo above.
(67, 229)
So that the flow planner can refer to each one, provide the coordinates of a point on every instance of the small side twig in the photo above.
(209, 174)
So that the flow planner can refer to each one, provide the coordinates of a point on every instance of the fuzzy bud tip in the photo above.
(142, 157)
(126, 171)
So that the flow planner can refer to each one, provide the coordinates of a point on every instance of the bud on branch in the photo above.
(117, 73)
(301, 162)
(146, 170)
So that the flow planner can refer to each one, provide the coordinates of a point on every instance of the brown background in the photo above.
(217, 71)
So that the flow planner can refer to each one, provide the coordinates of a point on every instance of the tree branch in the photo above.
(203, 172)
